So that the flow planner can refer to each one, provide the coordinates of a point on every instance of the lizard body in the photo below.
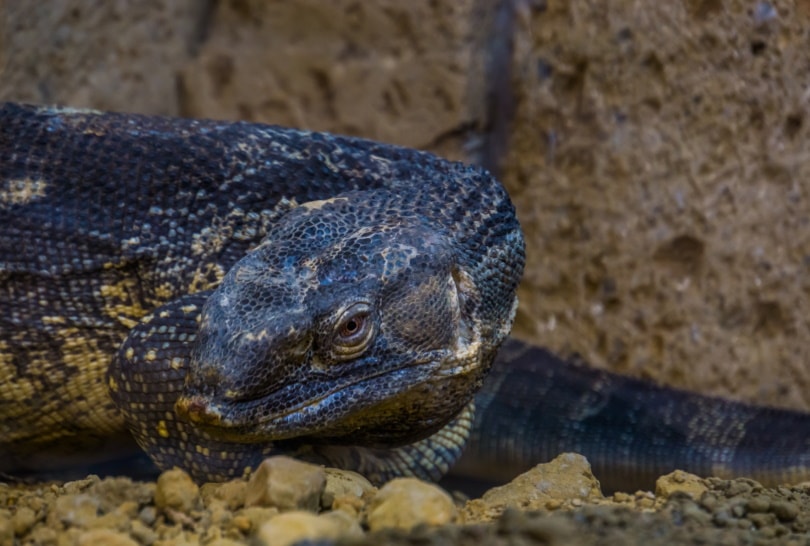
(276, 286)
(225, 290)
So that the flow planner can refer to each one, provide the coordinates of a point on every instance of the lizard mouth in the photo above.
(232, 415)
(339, 410)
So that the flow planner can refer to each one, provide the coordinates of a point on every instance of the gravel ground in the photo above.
(285, 501)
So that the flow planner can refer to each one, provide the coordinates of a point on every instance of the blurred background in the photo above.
(658, 152)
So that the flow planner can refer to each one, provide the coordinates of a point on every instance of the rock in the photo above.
(42, 534)
(232, 493)
(758, 505)
(106, 537)
(291, 527)
(348, 526)
(78, 486)
(404, 503)
(147, 515)
(117, 521)
(680, 481)
(785, 511)
(128, 508)
(23, 520)
(342, 483)
(551, 531)
(143, 534)
(567, 478)
(252, 517)
(176, 491)
(286, 484)
(225, 542)
(241, 524)
(79, 510)
(6, 530)
(113, 492)
(218, 513)
(350, 504)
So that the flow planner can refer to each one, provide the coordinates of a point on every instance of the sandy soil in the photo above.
(286, 501)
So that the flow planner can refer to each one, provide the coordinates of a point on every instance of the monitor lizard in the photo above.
(222, 291)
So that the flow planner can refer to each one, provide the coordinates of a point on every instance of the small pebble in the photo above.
(36, 504)
(621, 497)
(241, 523)
(219, 515)
(145, 535)
(646, 502)
(738, 487)
(78, 486)
(23, 520)
(148, 515)
(679, 482)
(693, 512)
(70, 536)
(548, 531)
(348, 503)
(42, 534)
(296, 526)
(722, 518)
(762, 520)
(6, 530)
(106, 537)
(708, 501)
(231, 492)
(224, 542)
(78, 510)
(177, 491)
(342, 483)
(254, 516)
(511, 518)
(785, 511)
(128, 508)
(404, 503)
(286, 484)
(114, 520)
(758, 505)
(768, 532)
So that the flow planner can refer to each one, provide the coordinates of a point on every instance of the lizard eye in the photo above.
(353, 331)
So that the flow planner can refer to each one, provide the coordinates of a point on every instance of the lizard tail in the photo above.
(535, 406)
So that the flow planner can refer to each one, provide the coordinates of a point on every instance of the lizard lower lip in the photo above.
(195, 410)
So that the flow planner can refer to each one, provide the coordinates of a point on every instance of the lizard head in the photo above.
(353, 322)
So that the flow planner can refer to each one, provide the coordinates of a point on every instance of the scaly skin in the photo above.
(222, 291)
(345, 309)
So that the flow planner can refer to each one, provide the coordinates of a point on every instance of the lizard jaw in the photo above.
(335, 413)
